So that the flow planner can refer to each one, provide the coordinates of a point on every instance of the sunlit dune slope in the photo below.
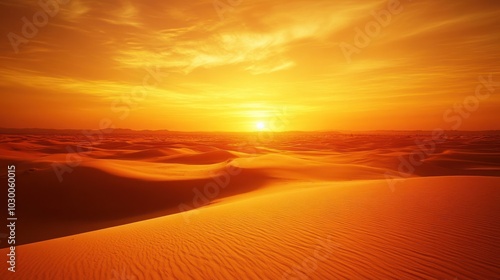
(431, 228)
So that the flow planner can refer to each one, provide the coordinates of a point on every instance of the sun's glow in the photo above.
(260, 125)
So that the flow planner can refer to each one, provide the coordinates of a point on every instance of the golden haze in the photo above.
(236, 72)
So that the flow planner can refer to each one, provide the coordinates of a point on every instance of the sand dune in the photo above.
(303, 206)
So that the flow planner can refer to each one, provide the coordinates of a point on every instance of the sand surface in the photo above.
(240, 206)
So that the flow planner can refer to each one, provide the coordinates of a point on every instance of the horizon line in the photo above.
(244, 131)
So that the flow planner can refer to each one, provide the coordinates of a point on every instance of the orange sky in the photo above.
(239, 67)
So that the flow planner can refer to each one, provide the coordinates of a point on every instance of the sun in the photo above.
(260, 125)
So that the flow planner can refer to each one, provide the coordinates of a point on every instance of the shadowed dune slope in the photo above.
(94, 197)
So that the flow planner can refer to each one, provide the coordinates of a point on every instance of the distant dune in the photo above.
(235, 206)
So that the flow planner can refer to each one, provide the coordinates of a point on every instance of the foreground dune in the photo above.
(433, 228)
(296, 208)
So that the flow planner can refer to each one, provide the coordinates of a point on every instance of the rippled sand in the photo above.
(240, 206)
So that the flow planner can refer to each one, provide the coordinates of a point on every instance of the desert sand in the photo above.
(245, 206)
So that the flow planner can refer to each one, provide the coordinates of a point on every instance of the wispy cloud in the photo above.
(263, 54)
